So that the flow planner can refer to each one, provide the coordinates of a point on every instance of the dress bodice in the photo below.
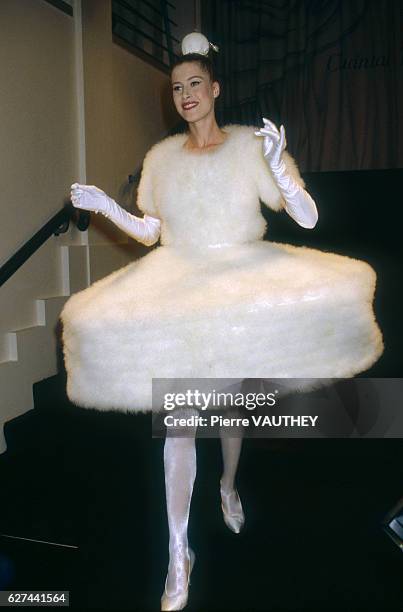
(211, 198)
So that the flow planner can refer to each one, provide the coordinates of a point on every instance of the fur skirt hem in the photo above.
(257, 310)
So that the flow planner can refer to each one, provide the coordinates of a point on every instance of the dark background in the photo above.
(329, 71)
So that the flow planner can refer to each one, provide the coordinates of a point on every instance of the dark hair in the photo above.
(204, 61)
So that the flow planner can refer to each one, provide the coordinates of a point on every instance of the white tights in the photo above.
(180, 474)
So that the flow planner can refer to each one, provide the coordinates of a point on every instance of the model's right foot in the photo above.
(175, 595)
(232, 509)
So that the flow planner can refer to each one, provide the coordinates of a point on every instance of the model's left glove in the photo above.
(298, 203)
(89, 197)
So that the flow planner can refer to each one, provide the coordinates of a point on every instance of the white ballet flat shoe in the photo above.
(178, 600)
(232, 510)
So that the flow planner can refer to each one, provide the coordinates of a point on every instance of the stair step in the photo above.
(39, 337)
(50, 393)
(35, 471)
(18, 374)
(15, 390)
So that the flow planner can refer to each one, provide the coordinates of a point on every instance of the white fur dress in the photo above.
(215, 300)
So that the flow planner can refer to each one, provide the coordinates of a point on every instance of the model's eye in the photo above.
(195, 83)
(176, 87)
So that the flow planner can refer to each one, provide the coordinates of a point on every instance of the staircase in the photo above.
(19, 369)
(75, 503)
(19, 373)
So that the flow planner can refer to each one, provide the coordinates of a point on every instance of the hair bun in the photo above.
(197, 43)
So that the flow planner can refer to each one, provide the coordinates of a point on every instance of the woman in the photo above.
(214, 300)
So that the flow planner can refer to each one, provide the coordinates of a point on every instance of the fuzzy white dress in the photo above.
(215, 300)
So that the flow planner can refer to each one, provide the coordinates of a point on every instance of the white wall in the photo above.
(37, 145)
(64, 117)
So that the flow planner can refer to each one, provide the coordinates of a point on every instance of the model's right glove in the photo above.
(89, 197)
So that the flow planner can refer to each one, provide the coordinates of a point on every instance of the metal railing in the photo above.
(145, 27)
(58, 224)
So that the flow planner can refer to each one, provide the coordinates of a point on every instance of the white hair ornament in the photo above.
(197, 43)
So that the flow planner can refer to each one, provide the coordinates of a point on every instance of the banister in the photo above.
(58, 224)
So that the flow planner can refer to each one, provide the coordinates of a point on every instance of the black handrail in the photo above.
(58, 224)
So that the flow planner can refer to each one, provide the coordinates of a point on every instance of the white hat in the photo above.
(197, 43)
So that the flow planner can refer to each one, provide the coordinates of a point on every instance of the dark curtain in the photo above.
(329, 70)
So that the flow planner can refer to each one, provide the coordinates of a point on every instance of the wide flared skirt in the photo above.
(257, 310)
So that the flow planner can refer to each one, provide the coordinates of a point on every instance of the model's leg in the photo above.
(180, 473)
(231, 504)
(231, 451)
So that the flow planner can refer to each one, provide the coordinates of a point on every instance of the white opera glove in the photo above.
(89, 197)
(298, 203)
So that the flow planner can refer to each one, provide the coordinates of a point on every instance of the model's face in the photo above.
(193, 92)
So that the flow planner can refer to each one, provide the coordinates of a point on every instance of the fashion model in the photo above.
(214, 300)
